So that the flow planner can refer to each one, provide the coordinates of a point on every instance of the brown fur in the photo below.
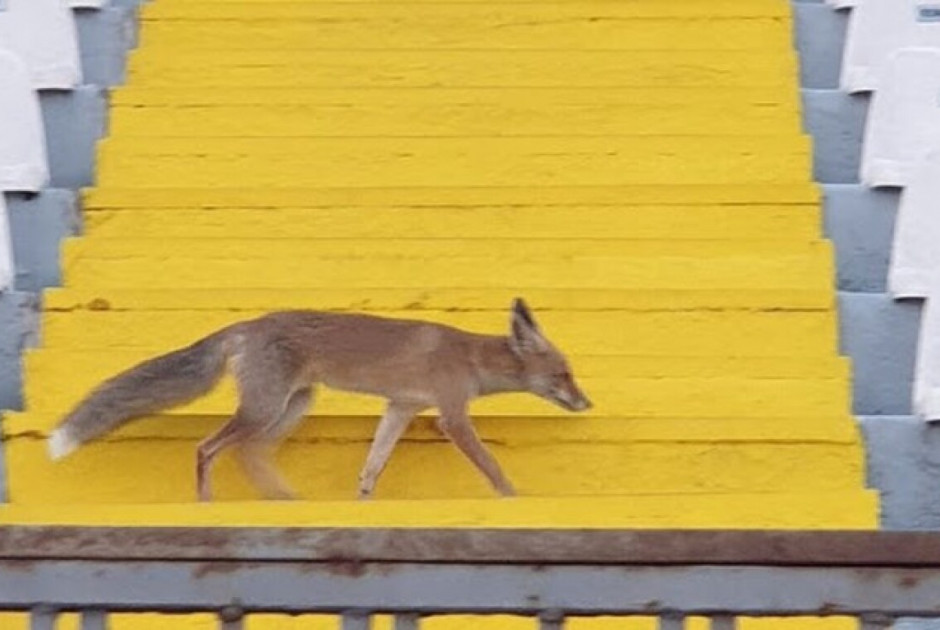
(278, 359)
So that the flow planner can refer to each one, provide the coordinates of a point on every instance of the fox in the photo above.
(279, 359)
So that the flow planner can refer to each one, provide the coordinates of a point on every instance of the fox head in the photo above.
(545, 370)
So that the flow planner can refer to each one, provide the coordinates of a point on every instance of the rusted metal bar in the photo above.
(671, 621)
(94, 619)
(723, 622)
(356, 620)
(406, 622)
(42, 618)
(598, 547)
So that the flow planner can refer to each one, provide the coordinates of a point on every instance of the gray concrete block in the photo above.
(860, 222)
(880, 336)
(104, 37)
(38, 223)
(74, 120)
(19, 329)
(820, 36)
(836, 121)
(904, 465)
(19, 325)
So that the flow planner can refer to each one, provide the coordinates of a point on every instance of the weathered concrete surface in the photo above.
(820, 33)
(38, 223)
(19, 321)
(880, 335)
(105, 35)
(836, 121)
(74, 121)
(860, 222)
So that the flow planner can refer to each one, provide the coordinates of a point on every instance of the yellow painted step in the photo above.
(241, 269)
(584, 25)
(798, 222)
(461, 119)
(505, 247)
(14, 621)
(418, 300)
(549, 197)
(335, 162)
(842, 510)
(281, 9)
(55, 362)
(449, 68)
(669, 96)
(773, 333)
(762, 426)
(57, 385)
(162, 469)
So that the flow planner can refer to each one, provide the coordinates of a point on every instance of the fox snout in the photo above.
(567, 395)
(572, 400)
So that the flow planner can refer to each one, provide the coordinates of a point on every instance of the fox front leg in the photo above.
(396, 419)
(456, 425)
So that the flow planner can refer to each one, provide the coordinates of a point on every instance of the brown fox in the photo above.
(278, 359)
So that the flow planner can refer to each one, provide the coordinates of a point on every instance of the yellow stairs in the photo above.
(635, 169)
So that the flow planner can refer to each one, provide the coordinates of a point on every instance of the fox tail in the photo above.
(154, 385)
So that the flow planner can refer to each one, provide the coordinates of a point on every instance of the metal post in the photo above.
(551, 620)
(671, 621)
(356, 621)
(94, 620)
(875, 622)
(724, 622)
(231, 618)
(42, 618)
(406, 622)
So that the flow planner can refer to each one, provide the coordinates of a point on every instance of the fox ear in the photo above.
(525, 335)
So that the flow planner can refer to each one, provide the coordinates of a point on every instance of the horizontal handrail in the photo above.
(473, 546)
(547, 574)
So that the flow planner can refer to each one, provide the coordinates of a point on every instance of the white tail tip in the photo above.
(61, 444)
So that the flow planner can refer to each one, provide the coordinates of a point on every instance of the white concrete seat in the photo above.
(87, 4)
(927, 365)
(877, 28)
(43, 34)
(904, 118)
(23, 163)
(915, 254)
(6, 249)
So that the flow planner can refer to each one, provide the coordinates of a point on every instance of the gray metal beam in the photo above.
(304, 587)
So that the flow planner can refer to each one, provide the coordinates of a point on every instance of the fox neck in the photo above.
(498, 368)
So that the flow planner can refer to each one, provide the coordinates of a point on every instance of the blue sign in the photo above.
(928, 12)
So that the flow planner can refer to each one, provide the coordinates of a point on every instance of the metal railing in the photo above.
(545, 574)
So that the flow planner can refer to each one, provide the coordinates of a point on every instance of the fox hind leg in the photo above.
(263, 403)
(255, 456)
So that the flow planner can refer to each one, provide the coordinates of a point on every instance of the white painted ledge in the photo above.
(904, 119)
(23, 163)
(43, 34)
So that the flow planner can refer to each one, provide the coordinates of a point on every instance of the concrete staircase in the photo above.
(432, 161)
